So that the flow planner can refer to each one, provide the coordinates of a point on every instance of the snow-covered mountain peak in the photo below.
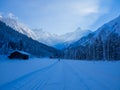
(78, 30)
(46, 37)
(13, 22)
(42, 35)
(75, 35)
(59, 40)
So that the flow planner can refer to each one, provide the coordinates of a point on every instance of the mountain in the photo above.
(54, 40)
(59, 41)
(11, 39)
(71, 37)
(103, 44)
(13, 22)
(46, 37)
(74, 36)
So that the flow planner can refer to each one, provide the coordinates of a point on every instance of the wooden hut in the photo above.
(18, 55)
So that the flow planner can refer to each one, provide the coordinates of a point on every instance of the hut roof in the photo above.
(20, 52)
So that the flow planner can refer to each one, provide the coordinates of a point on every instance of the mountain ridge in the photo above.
(102, 44)
(60, 41)
(14, 23)
(11, 39)
(54, 40)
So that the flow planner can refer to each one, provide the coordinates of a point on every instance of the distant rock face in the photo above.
(59, 41)
(11, 39)
(46, 37)
(104, 44)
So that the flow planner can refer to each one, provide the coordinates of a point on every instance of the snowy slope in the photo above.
(59, 41)
(46, 37)
(74, 36)
(13, 22)
(13, 40)
(104, 43)
(108, 28)
(103, 32)
(45, 74)
(71, 37)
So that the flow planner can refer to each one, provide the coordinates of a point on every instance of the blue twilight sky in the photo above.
(61, 16)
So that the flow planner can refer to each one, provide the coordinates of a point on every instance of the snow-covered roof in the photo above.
(20, 52)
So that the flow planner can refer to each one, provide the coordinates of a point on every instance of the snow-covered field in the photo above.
(49, 74)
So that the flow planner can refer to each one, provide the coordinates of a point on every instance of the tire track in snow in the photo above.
(18, 83)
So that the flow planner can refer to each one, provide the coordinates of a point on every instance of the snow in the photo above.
(50, 39)
(46, 37)
(51, 74)
(75, 35)
(14, 23)
(20, 52)
(108, 28)
(59, 41)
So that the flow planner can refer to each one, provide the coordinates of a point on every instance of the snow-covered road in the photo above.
(42, 74)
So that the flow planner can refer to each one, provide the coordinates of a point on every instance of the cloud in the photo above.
(81, 12)
(60, 15)
(82, 7)
(85, 7)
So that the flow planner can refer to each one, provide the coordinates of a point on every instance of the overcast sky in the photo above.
(61, 16)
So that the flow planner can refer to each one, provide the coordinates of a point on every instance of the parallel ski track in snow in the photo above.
(27, 79)
(84, 82)
(56, 76)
